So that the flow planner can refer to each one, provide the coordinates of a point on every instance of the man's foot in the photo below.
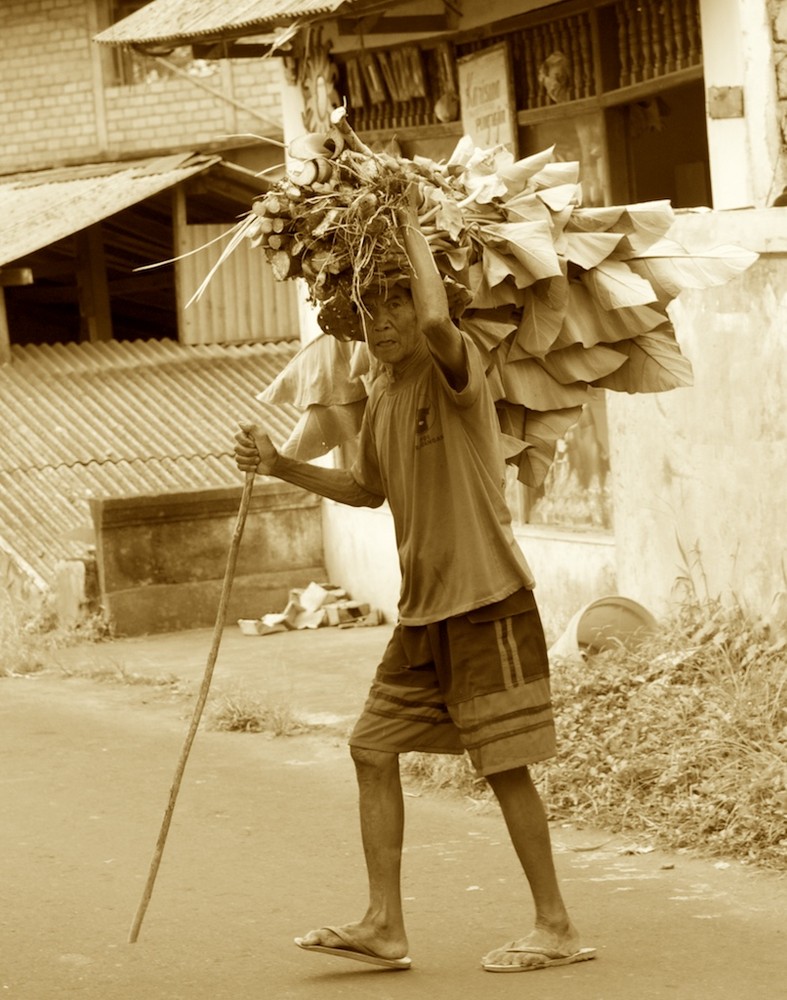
(540, 949)
(358, 942)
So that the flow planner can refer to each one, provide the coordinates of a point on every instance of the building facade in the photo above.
(664, 497)
(682, 100)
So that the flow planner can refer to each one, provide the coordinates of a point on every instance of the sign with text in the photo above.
(487, 97)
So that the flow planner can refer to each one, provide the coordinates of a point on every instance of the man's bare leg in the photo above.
(381, 804)
(527, 825)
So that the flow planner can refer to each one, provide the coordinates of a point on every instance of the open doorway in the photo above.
(658, 148)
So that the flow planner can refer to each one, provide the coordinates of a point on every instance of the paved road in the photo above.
(264, 845)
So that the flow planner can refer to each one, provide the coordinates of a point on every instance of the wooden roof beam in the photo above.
(378, 24)
(234, 50)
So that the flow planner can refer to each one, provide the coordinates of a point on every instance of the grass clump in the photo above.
(238, 712)
(682, 740)
(113, 671)
(446, 773)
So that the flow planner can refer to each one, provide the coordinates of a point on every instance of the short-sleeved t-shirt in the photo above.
(435, 454)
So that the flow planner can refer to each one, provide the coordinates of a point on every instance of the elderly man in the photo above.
(466, 669)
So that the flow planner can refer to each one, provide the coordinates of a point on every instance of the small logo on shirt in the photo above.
(423, 419)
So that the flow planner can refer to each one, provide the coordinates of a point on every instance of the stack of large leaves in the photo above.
(561, 300)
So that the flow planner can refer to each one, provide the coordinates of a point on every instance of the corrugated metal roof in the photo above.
(179, 21)
(39, 208)
(120, 419)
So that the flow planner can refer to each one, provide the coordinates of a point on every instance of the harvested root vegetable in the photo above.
(284, 265)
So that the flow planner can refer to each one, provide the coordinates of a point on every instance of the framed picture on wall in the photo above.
(486, 94)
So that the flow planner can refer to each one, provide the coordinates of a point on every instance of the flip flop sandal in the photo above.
(352, 950)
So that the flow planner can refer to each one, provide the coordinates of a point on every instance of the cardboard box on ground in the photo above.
(315, 606)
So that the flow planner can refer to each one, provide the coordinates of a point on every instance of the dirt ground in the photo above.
(264, 845)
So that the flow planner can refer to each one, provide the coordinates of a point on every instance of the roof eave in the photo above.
(118, 34)
(212, 37)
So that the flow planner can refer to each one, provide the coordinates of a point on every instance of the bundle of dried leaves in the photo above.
(560, 299)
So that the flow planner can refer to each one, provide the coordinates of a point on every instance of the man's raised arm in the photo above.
(431, 301)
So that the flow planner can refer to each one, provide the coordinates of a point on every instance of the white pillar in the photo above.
(744, 151)
(292, 107)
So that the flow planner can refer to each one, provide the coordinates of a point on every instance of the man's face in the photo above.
(391, 325)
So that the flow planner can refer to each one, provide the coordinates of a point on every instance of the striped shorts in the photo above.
(477, 682)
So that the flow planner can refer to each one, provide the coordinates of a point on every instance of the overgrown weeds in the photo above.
(25, 646)
(28, 644)
(239, 712)
(683, 739)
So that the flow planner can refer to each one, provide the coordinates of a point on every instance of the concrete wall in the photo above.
(161, 559)
(360, 554)
(571, 569)
(22, 591)
(700, 473)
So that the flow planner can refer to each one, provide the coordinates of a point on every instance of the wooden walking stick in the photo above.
(218, 628)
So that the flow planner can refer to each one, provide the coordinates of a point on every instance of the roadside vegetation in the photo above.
(682, 740)
(30, 646)
(25, 646)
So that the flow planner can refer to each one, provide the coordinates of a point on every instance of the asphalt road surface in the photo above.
(264, 845)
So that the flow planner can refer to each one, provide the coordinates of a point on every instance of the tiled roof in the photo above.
(178, 21)
(39, 208)
(120, 419)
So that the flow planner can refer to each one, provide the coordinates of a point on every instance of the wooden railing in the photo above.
(607, 47)
(656, 37)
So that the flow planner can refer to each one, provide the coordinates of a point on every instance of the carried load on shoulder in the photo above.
(562, 300)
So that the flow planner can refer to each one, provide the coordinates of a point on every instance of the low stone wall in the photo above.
(161, 559)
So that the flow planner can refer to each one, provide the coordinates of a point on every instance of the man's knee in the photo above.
(372, 762)
(513, 779)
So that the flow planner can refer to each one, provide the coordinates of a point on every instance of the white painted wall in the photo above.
(571, 568)
(705, 468)
(360, 554)
(744, 152)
